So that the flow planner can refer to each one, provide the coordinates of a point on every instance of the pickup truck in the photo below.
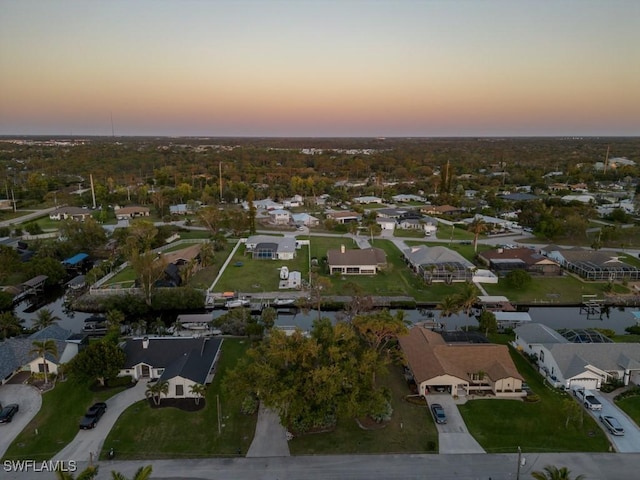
(587, 398)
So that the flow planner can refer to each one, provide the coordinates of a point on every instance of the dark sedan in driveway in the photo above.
(7, 413)
(92, 416)
(438, 413)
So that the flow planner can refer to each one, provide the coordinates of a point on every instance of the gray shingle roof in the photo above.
(539, 333)
(14, 352)
(190, 358)
(573, 357)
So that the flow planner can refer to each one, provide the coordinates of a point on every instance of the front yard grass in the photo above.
(143, 432)
(57, 421)
(631, 406)
(410, 430)
(501, 426)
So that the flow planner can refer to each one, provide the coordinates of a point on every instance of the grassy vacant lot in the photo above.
(411, 429)
(500, 426)
(57, 420)
(445, 232)
(566, 289)
(145, 432)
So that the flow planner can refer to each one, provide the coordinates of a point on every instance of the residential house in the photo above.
(439, 264)
(266, 204)
(16, 356)
(305, 219)
(344, 217)
(73, 213)
(410, 223)
(367, 199)
(593, 264)
(386, 223)
(429, 225)
(178, 262)
(503, 260)
(460, 368)
(494, 223)
(180, 361)
(179, 209)
(569, 365)
(295, 201)
(440, 209)
(393, 213)
(279, 217)
(367, 261)
(128, 213)
(407, 197)
(271, 247)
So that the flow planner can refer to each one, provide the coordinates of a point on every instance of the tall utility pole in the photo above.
(93, 191)
(220, 178)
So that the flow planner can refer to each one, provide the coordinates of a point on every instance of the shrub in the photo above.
(249, 405)
(383, 413)
(124, 381)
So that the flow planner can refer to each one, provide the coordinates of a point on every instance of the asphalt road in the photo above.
(29, 401)
(606, 466)
(27, 216)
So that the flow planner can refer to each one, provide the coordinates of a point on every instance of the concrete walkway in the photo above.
(270, 439)
(87, 444)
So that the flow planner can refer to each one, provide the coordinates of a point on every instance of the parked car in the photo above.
(612, 424)
(7, 413)
(438, 413)
(92, 416)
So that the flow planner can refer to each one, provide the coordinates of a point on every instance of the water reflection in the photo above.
(616, 319)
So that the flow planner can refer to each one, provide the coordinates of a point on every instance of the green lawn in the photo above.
(143, 432)
(631, 406)
(500, 426)
(57, 421)
(411, 430)
(257, 276)
(204, 278)
(408, 233)
(445, 232)
(566, 289)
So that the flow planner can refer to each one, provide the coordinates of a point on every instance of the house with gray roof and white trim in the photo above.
(567, 364)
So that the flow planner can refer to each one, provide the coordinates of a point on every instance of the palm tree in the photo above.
(41, 348)
(198, 390)
(88, 473)
(156, 390)
(9, 325)
(45, 319)
(551, 472)
(477, 227)
(467, 297)
(143, 473)
(449, 306)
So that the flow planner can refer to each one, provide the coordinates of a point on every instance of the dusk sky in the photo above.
(320, 68)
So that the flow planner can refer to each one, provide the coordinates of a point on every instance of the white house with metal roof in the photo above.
(567, 364)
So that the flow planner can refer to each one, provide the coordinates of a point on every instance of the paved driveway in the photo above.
(630, 441)
(453, 436)
(29, 400)
(270, 439)
(87, 444)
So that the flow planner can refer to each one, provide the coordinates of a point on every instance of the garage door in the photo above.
(588, 383)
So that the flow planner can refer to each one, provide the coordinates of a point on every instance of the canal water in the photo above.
(617, 319)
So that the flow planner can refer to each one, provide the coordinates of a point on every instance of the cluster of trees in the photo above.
(138, 170)
(311, 381)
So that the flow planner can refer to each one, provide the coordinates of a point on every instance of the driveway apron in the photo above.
(270, 439)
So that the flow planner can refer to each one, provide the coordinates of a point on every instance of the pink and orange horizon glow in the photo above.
(320, 68)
